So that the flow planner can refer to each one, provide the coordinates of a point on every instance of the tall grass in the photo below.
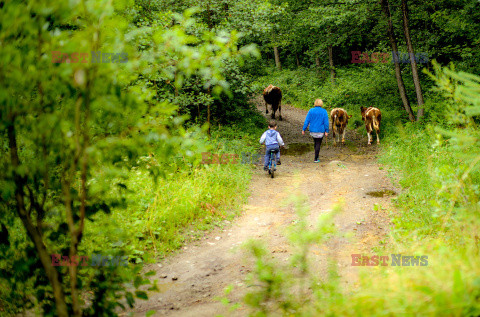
(437, 216)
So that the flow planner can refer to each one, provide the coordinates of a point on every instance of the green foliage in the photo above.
(444, 157)
(230, 107)
(163, 215)
(457, 29)
(198, 67)
(81, 140)
(59, 122)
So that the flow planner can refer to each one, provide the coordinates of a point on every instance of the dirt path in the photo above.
(191, 280)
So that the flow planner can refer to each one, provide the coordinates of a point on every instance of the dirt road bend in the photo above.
(191, 280)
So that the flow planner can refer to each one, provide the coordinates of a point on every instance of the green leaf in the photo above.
(130, 299)
(150, 313)
(141, 295)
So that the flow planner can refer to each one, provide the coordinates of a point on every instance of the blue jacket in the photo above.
(317, 118)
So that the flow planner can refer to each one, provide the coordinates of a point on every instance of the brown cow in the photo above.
(372, 117)
(273, 96)
(339, 123)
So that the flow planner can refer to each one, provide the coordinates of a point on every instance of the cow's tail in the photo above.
(376, 123)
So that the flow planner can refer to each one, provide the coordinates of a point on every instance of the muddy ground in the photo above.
(191, 280)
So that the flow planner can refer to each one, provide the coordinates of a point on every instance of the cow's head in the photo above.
(363, 110)
(341, 119)
(268, 89)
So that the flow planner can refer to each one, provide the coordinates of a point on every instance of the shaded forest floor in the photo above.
(191, 281)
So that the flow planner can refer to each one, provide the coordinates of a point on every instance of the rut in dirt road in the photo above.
(191, 281)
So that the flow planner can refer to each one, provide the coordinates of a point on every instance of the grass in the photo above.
(434, 218)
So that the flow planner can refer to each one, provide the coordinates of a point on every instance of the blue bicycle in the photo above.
(272, 163)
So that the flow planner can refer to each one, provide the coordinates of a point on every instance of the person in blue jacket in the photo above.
(317, 118)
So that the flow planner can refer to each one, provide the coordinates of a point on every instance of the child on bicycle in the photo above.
(273, 141)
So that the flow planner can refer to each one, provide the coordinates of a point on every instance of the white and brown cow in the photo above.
(372, 117)
(339, 123)
(273, 96)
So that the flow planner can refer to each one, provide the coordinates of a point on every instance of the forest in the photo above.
(130, 181)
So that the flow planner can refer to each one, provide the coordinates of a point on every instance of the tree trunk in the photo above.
(398, 73)
(208, 114)
(225, 9)
(278, 64)
(208, 120)
(330, 61)
(317, 64)
(413, 62)
(298, 61)
(209, 17)
(32, 231)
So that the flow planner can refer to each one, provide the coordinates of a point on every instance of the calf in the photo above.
(339, 123)
(372, 117)
(273, 96)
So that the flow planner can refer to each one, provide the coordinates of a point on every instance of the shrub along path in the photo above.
(191, 280)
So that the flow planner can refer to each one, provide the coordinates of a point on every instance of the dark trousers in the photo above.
(317, 143)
